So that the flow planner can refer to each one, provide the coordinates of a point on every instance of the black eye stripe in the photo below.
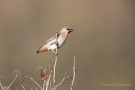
(68, 29)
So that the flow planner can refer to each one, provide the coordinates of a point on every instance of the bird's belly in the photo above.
(52, 47)
(61, 42)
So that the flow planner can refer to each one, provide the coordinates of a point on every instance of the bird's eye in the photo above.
(68, 29)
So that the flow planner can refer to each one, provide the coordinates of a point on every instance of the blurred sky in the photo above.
(103, 39)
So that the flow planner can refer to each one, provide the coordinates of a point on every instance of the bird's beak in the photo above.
(69, 31)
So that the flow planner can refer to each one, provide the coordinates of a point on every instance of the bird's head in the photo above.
(69, 30)
(66, 30)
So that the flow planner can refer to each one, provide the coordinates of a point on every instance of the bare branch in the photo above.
(22, 86)
(36, 83)
(13, 81)
(61, 81)
(35, 88)
(44, 84)
(47, 83)
(50, 86)
(74, 69)
(1, 86)
(55, 63)
(50, 71)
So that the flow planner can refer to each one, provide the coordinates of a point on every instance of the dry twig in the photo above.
(55, 63)
(74, 69)
(48, 81)
(12, 81)
(36, 83)
(1, 86)
(22, 86)
(61, 81)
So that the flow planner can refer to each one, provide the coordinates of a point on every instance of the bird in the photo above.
(56, 41)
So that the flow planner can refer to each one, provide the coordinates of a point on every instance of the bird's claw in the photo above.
(56, 54)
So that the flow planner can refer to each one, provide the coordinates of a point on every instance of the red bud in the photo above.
(21, 81)
(44, 78)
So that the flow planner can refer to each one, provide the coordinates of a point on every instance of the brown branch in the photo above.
(1, 86)
(48, 81)
(44, 84)
(50, 86)
(35, 88)
(54, 76)
(22, 86)
(55, 63)
(36, 83)
(61, 81)
(74, 69)
(12, 81)
(50, 70)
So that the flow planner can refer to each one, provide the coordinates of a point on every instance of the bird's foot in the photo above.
(56, 54)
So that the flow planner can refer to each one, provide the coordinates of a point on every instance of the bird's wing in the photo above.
(53, 38)
(50, 41)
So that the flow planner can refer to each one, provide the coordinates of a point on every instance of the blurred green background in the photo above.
(103, 39)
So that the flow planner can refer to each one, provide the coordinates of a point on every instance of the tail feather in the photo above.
(38, 51)
(42, 49)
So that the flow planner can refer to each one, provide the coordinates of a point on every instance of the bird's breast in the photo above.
(52, 47)
(61, 42)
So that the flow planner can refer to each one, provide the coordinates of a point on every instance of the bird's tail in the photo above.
(38, 52)
(42, 49)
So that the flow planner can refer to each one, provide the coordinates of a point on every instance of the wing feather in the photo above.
(50, 41)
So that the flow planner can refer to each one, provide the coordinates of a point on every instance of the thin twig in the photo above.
(74, 69)
(55, 65)
(44, 84)
(1, 86)
(50, 65)
(50, 85)
(48, 81)
(50, 70)
(61, 81)
(35, 83)
(35, 88)
(54, 72)
(22, 86)
(12, 81)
